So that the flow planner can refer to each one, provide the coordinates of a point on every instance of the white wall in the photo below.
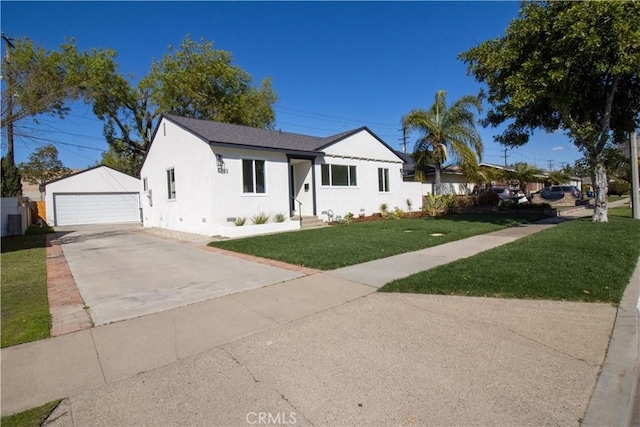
(228, 196)
(450, 184)
(365, 198)
(193, 163)
(96, 180)
(362, 145)
(205, 197)
(10, 206)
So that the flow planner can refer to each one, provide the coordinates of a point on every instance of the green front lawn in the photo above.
(31, 417)
(25, 309)
(578, 260)
(342, 245)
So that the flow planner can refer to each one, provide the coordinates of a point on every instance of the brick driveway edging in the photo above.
(66, 306)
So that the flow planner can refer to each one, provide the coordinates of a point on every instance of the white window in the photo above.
(383, 180)
(339, 175)
(253, 176)
(171, 184)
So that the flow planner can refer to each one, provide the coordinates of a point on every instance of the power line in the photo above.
(60, 142)
(313, 114)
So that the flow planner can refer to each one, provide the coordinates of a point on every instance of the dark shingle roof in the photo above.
(224, 133)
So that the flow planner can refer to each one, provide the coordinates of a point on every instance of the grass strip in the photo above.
(25, 308)
(578, 260)
(347, 244)
(33, 417)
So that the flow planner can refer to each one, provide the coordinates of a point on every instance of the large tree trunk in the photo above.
(437, 174)
(600, 187)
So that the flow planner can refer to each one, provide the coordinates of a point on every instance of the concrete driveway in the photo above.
(123, 272)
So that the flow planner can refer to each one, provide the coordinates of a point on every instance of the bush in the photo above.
(461, 202)
(384, 210)
(409, 205)
(618, 188)
(239, 222)
(261, 218)
(437, 205)
(279, 218)
(348, 218)
(488, 198)
(397, 213)
(516, 206)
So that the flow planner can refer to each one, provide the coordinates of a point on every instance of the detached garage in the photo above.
(98, 195)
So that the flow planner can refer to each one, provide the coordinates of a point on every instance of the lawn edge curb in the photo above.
(612, 401)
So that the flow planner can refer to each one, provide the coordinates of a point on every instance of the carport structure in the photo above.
(98, 195)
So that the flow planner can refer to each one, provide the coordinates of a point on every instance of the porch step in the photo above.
(309, 222)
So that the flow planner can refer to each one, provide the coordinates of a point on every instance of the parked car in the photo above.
(557, 192)
(508, 196)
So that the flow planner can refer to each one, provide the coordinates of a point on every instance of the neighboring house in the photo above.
(452, 181)
(200, 176)
(96, 195)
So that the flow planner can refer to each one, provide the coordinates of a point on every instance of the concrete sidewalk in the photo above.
(380, 272)
(37, 372)
(108, 358)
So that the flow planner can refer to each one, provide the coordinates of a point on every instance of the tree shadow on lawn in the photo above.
(21, 243)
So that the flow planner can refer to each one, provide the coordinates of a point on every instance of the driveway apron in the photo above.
(123, 273)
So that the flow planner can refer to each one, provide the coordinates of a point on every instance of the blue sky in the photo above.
(335, 65)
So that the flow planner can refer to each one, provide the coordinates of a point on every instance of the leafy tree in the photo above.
(193, 81)
(43, 166)
(446, 129)
(11, 185)
(558, 177)
(36, 82)
(566, 65)
(119, 158)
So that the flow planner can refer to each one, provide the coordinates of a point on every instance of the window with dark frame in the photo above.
(338, 175)
(171, 184)
(253, 176)
(383, 180)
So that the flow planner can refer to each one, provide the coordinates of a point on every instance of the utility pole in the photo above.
(562, 165)
(404, 140)
(9, 78)
(505, 157)
(635, 186)
(550, 165)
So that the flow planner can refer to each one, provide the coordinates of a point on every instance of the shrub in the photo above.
(348, 218)
(516, 206)
(260, 218)
(397, 213)
(409, 205)
(461, 202)
(239, 222)
(618, 188)
(279, 217)
(384, 210)
(437, 205)
(488, 198)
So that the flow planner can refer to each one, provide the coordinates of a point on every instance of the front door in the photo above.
(301, 187)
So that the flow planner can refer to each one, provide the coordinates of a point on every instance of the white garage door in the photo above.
(73, 209)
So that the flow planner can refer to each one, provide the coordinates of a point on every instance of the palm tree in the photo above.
(524, 173)
(446, 130)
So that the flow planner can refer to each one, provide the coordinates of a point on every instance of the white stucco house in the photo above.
(97, 195)
(200, 176)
